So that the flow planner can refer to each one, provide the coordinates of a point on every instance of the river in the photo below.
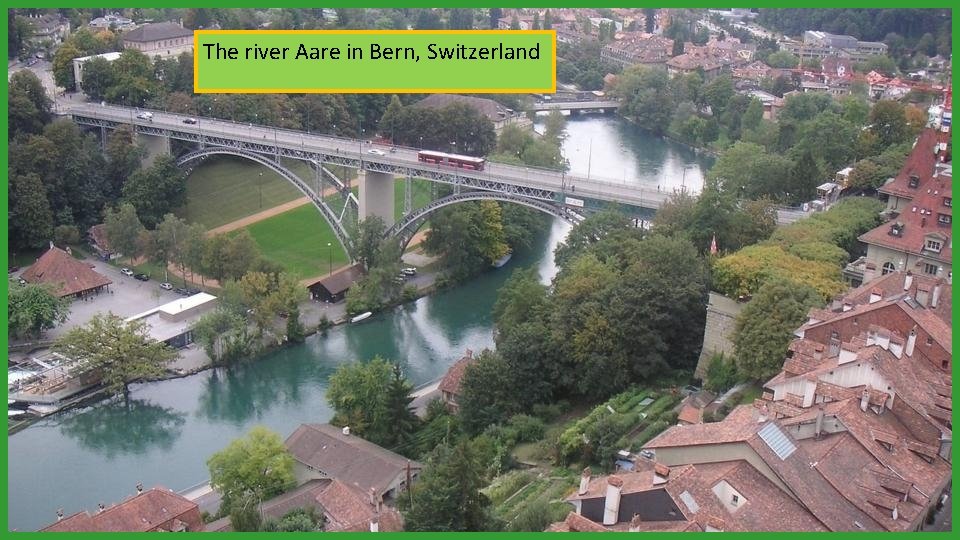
(80, 458)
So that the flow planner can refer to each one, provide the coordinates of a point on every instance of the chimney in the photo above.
(469, 353)
(911, 341)
(635, 523)
(346, 430)
(611, 506)
(907, 280)
(819, 425)
(945, 444)
(865, 399)
(101, 507)
(847, 306)
(373, 497)
(935, 298)
(139, 488)
(584, 481)
(60, 510)
(375, 524)
(876, 295)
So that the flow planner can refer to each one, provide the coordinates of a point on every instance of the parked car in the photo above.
(409, 271)
(126, 272)
(166, 286)
(181, 291)
(647, 454)
(145, 116)
(189, 120)
(141, 277)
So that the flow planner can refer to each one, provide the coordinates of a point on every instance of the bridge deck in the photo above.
(535, 183)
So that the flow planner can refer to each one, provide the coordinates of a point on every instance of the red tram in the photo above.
(451, 160)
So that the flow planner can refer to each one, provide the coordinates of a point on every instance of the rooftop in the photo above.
(147, 511)
(56, 266)
(157, 32)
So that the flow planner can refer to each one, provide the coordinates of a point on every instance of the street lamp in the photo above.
(330, 256)
(260, 188)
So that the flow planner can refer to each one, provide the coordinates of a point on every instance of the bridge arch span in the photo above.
(405, 228)
(338, 229)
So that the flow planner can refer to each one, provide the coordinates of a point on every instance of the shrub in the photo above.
(528, 428)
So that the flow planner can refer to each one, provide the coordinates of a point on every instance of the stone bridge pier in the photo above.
(377, 196)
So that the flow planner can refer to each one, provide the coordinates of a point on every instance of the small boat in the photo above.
(503, 260)
(362, 317)
(14, 413)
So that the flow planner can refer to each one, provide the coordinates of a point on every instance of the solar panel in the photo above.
(776, 440)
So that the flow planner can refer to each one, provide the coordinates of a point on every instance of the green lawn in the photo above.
(297, 240)
(222, 190)
(421, 195)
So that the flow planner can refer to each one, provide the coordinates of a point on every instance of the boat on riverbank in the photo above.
(362, 317)
(503, 260)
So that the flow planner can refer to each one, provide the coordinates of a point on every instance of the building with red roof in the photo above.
(154, 510)
(73, 277)
(918, 236)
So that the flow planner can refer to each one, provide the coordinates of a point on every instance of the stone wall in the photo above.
(722, 315)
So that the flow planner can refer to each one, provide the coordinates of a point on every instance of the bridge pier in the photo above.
(156, 145)
(376, 196)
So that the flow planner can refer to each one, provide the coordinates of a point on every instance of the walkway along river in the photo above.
(80, 458)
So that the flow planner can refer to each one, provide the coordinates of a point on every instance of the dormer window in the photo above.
(933, 245)
(914, 181)
(944, 219)
(948, 202)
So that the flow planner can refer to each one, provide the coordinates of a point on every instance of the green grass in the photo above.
(297, 240)
(223, 190)
(748, 395)
(421, 195)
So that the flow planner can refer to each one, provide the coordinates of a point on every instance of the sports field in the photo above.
(297, 240)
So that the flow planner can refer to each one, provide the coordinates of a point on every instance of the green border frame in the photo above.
(821, 4)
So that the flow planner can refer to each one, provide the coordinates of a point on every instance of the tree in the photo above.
(224, 336)
(30, 221)
(258, 465)
(469, 236)
(296, 520)
(400, 417)
(588, 232)
(33, 308)
(239, 254)
(766, 325)
(460, 19)
(889, 122)
(447, 496)
(368, 397)
(123, 158)
(495, 14)
(156, 191)
(124, 230)
(370, 234)
(98, 77)
(28, 104)
(783, 59)
(121, 352)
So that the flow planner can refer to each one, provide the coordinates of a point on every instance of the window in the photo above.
(735, 499)
(933, 245)
(930, 269)
(914, 181)
(944, 219)
(948, 202)
(945, 364)
(929, 341)
(887, 268)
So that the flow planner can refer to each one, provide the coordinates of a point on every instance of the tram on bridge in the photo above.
(451, 160)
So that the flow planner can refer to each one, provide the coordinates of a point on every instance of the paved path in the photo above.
(259, 216)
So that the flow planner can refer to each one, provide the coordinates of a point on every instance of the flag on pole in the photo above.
(713, 244)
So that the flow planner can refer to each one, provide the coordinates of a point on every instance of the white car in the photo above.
(126, 272)
(376, 152)
(166, 286)
(145, 116)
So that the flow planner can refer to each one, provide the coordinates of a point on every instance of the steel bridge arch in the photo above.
(405, 228)
(341, 233)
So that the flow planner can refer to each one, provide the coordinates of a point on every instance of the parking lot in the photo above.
(126, 297)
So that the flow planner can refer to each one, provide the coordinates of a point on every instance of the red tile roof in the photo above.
(920, 218)
(152, 510)
(56, 266)
(454, 377)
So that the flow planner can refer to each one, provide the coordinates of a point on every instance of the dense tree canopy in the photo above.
(258, 465)
(766, 325)
(33, 308)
